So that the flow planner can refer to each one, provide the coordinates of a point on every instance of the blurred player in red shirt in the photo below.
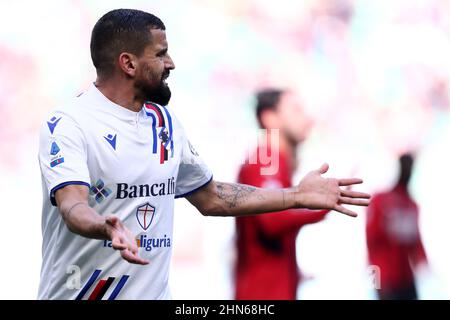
(393, 238)
(266, 263)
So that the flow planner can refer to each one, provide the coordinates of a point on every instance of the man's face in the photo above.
(294, 122)
(154, 66)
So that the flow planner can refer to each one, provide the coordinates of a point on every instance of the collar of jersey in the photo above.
(108, 106)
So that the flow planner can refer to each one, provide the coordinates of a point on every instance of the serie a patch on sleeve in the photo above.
(56, 158)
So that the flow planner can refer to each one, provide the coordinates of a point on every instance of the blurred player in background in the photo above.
(266, 263)
(393, 238)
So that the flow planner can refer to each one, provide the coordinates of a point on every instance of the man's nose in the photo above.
(169, 63)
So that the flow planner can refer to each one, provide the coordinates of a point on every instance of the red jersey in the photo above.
(266, 264)
(393, 238)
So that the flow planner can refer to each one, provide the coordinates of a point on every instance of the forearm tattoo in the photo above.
(67, 214)
(235, 194)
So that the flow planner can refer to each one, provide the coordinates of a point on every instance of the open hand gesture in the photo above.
(317, 192)
(123, 240)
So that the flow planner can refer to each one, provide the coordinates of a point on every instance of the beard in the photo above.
(159, 94)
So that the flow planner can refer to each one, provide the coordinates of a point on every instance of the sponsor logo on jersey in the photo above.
(52, 124)
(102, 286)
(99, 191)
(147, 243)
(125, 191)
(152, 243)
(111, 140)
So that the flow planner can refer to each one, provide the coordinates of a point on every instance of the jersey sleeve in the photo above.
(193, 173)
(62, 154)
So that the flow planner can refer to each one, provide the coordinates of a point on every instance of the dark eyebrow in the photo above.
(162, 52)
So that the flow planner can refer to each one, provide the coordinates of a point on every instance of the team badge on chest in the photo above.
(144, 215)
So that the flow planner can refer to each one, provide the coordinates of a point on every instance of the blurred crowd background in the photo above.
(374, 75)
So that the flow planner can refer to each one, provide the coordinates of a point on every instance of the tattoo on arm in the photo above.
(235, 194)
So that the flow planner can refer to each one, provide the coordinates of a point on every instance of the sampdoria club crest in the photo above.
(144, 215)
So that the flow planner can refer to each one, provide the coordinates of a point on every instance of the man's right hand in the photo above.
(123, 240)
(81, 219)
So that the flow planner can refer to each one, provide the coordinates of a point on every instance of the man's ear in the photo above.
(128, 63)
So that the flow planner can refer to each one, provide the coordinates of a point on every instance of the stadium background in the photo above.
(374, 75)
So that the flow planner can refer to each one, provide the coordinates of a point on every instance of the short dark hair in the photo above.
(267, 99)
(118, 31)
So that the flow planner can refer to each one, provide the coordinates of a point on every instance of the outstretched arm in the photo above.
(313, 192)
(85, 221)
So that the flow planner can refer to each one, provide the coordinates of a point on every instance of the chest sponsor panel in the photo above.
(126, 191)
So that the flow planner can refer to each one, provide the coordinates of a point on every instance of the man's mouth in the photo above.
(164, 78)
